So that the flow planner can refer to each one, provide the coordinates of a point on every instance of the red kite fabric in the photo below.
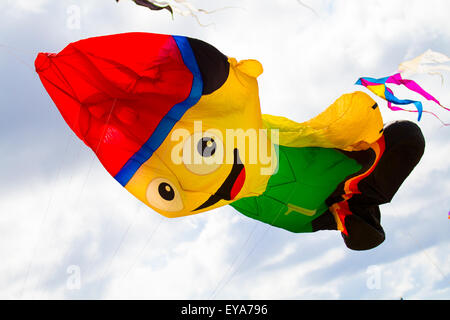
(102, 87)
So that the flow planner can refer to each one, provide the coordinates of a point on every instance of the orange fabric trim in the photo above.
(341, 209)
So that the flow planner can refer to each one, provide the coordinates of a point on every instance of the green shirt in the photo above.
(296, 193)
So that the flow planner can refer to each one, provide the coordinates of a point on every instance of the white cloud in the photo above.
(24, 6)
(125, 250)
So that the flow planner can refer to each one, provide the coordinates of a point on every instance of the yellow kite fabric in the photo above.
(352, 123)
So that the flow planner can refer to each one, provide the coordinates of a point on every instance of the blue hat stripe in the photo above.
(170, 119)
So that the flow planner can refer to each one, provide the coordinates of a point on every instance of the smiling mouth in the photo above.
(230, 187)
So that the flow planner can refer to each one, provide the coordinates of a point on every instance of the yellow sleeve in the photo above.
(351, 123)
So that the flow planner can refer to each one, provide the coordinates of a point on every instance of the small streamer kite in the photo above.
(152, 5)
(181, 7)
(425, 63)
(379, 87)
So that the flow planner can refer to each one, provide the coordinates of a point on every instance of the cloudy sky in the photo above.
(68, 230)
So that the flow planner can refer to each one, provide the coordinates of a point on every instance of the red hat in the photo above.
(122, 94)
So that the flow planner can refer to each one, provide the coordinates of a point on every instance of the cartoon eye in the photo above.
(206, 146)
(166, 191)
(203, 153)
(163, 195)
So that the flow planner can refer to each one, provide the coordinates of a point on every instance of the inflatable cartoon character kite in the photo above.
(178, 124)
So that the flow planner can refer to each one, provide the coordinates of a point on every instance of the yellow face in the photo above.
(216, 154)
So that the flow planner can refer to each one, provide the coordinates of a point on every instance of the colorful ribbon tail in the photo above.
(413, 86)
(379, 87)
